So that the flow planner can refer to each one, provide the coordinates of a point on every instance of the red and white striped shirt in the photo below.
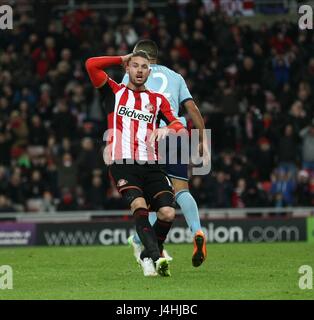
(132, 117)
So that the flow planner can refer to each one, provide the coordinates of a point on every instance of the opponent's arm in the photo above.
(96, 65)
(169, 118)
(187, 101)
(195, 115)
(198, 122)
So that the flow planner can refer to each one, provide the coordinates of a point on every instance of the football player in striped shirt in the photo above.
(134, 113)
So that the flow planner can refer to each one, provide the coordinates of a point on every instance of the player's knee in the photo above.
(166, 214)
(163, 199)
(138, 203)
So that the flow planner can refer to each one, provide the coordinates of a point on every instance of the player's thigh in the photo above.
(159, 190)
(137, 201)
(177, 162)
(179, 175)
(179, 184)
(129, 183)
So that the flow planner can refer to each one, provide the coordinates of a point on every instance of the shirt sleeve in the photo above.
(184, 93)
(113, 85)
(95, 66)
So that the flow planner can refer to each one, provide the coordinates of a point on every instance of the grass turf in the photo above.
(231, 271)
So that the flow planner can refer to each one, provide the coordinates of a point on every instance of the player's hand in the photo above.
(107, 155)
(204, 153)
(126, 58)
(158, 134)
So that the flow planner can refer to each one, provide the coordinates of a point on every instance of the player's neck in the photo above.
(133, 87)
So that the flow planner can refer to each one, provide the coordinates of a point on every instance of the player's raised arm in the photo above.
(95, 67)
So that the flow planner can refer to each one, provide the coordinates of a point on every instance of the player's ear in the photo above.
(150, 70)
(127, 68)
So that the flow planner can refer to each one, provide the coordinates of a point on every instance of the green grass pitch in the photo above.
(231, 271)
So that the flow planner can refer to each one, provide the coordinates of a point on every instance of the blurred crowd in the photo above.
(254, 88)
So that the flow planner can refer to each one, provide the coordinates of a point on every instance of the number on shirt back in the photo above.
(164, 84)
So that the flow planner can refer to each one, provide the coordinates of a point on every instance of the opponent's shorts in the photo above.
(179, 155)
(143, 180)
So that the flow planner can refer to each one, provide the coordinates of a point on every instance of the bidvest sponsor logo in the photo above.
(135, 114)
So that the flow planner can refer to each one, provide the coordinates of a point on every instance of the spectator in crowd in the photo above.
(68, 201)
(37, 132)
(303, 194)
(239, 194)
(16, 190)
(96, 194)
(307, 135)
(35, 188)
(48, 203)
(288, 150)
(67, 172)
(63, 122)
(3, 180)
(198, 191)
(87, 161)
(5, 205)
(5, 148)
(311, 187)
(281, 70)
(219, 191)
(282, 189)
(264, 159)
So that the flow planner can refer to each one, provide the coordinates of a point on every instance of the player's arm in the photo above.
(187, 101)
(195, 115)
(197, 119)
(167, 115)
(95, 67)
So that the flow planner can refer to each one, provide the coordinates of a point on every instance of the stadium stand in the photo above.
(254, 87)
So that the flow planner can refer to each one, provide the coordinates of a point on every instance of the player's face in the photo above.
(138, 70)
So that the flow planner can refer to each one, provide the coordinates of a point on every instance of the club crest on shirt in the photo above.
(122, 182)
(149, 107)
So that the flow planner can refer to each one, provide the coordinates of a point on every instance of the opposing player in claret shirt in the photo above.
(173, 86)
(133, 118)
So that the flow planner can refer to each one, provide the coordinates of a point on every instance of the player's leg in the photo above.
(135, 241)
(130, 185)
(147, 236)
(177, 169)
(187, 204)
(189, 208)
(161, 198)
(144, 228)
(179, 178)
(152, 219)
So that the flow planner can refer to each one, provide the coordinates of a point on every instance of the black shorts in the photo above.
(150, 180)
(179, 169)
